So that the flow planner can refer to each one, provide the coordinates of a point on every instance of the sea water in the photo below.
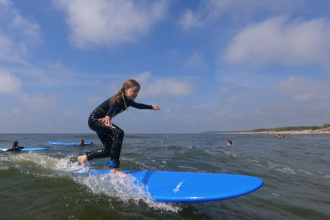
(41, 185)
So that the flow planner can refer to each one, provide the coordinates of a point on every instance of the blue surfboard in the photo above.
(26, 149)
(165, 186)
(69, 143)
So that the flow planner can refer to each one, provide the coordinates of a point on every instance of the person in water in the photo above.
(110, 134)
(229, 143)
(82, 142)
(281, 136)
(15, 147)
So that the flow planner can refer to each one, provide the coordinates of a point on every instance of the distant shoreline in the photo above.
(318, 131)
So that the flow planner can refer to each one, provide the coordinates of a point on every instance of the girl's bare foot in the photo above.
(118, 172)
(82, 160)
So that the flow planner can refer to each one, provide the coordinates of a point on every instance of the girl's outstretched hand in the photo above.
(155, 107)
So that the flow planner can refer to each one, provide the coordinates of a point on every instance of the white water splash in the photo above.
(125, 189)
(111, 185)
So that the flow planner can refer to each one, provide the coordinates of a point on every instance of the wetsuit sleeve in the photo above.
(18, 148)
(139, 105)
(113, 109)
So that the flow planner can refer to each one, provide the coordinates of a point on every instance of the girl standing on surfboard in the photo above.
(110, 134)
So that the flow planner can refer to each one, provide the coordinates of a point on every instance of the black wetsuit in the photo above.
(18, 148)
(111, 137)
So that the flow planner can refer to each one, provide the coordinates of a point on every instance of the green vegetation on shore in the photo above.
(290, 128)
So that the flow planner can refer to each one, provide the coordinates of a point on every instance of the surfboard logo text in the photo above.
(177, 188)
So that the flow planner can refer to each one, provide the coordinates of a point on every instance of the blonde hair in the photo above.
(128, 84)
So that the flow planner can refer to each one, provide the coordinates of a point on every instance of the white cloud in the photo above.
(157, 86)
(189, 20)
(225, 89)
(163, 86)
(57, 72)
(169, 87)
(35, 102)
(210, 11)
(16, 33)
(92, 100)
(12, 50)
(54, 73)
(279, 40)
(9, 84)
(110, 22)
(196, 61)
(67, 113)
(12, 22)
(143, 78)
(6, 46)
(5, 3)
(300, 89)
(29, 29)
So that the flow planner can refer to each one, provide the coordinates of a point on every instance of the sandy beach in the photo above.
(317, 131)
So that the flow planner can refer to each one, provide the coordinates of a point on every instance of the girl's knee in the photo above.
(119, 133)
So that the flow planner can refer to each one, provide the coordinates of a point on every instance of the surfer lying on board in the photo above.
(15, 147)
(110, 134)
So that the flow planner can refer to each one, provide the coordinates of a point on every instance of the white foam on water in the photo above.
(124, 189)
(287, 170)
(4, 167)
(275, 194)
(44, 161)
(281, 168)
(306, 172)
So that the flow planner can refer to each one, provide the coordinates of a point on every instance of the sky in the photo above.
(211, 65)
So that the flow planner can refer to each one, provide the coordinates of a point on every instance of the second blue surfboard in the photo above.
(68, 143)
(26, 149)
